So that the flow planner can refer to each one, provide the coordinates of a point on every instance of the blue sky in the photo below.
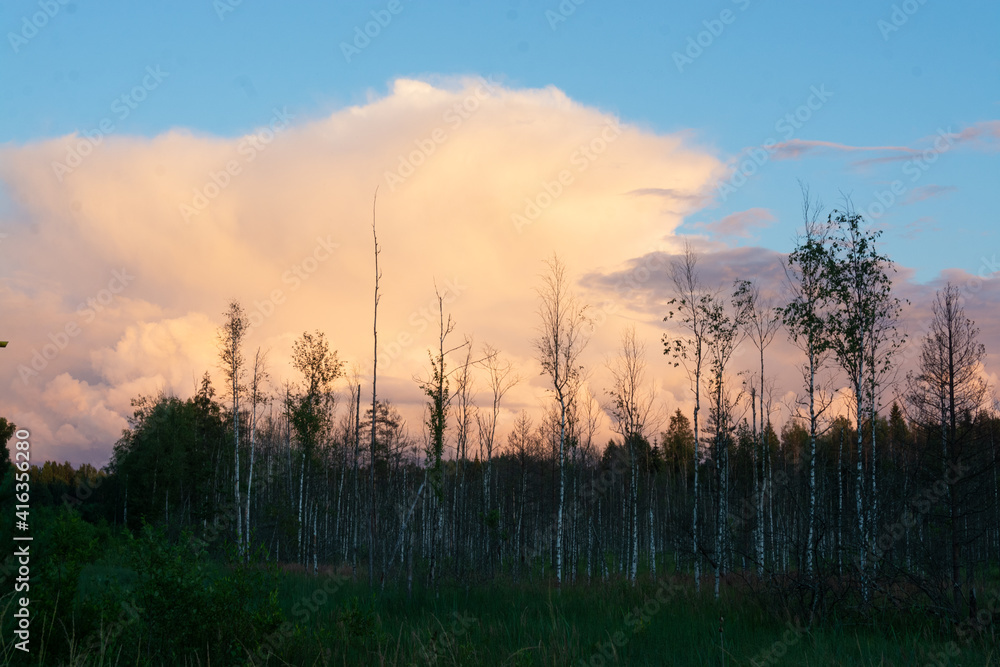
(896, 104)
(229, 64)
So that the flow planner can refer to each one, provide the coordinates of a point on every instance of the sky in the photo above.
(159, 159)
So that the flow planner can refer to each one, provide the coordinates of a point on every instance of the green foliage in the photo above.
(166, 457)
(187, 605)
(310, 408)
(6, 433)
(678, 443)
(96, 591)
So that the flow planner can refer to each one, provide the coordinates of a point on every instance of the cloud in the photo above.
(926, 192)
(740, 224)
(477, 183)
(794, 149)
(982, 136)
(116, 274)
(645, 287)
(916, 228)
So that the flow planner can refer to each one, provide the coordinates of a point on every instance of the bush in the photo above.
(187, 606)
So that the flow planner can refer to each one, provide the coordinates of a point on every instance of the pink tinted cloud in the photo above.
(478, 183)
(794, 149)
(740, 224)
(925, 192)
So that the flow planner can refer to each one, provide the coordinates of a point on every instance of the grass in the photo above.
(333, 620)
(604, 624)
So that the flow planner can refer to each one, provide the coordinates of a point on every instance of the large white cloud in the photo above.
(122, 260)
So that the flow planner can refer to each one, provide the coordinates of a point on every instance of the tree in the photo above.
(760, 323)
(560, 341)
(524, 444)
(805, 316)
(631, 410)
(862, 311)
(231, 335)
(437, 391)
(171, 451)
(691, 297)
(678, 443)
(722, 335)
(944, 394)
(310, 407)
(371, 471)
(258, 397)
(501, 378)
(6, 433)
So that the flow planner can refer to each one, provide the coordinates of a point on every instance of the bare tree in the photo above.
(562, 337)
(437, 390)
(371, 470)
(944, 394)
(501, 377)
(632, 411)
(761, 322)
(689, 351)
(524, 445)
(258, 397)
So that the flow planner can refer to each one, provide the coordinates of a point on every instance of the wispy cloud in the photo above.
(927, 192)
(795, 149)
(740, 224)
(918, 227)
(982, 136)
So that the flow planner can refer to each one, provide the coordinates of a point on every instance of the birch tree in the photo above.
(501, 378)
(722, 335)
(761, 322)
(860, 290)
(561, 338)
(371, 467)
(231, 335)
(438, 392)
(805, 316)
(631, 409)
(258, 397)
(689, 350)
(310, 408)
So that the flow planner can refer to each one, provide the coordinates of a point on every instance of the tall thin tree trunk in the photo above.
(372, 523)
(812, 457)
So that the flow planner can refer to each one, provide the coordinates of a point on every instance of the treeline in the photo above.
(896, 502)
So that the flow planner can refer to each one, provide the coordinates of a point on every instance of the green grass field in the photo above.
(120, 600)
(607, 624)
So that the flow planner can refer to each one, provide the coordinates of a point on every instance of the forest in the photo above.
(303, 521)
